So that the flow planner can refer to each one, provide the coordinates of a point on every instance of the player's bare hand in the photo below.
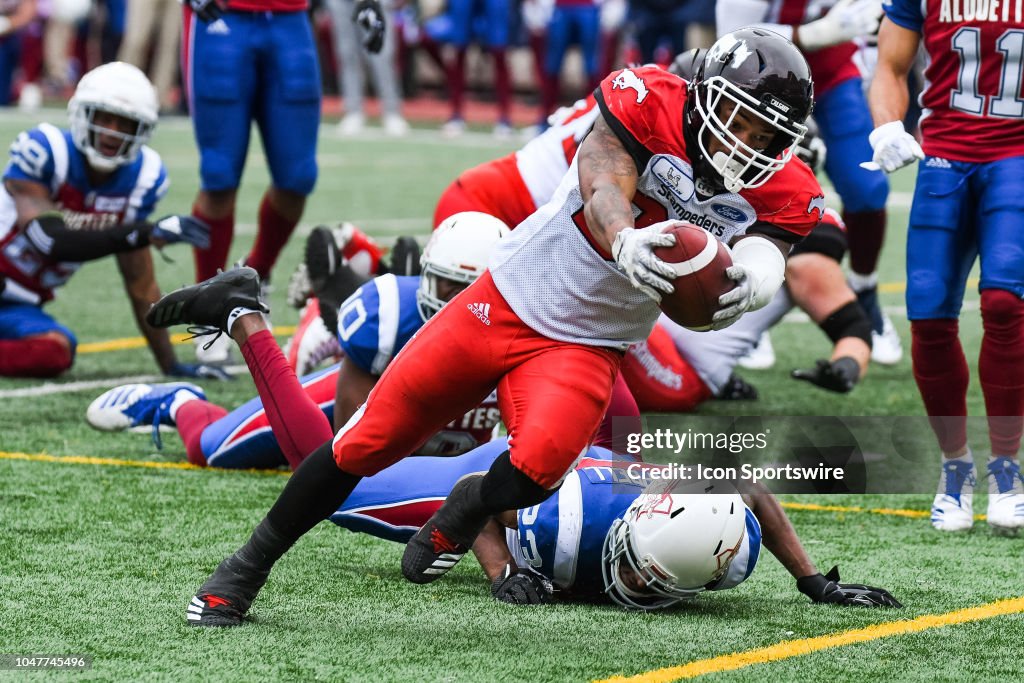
(893, 147)
(369, 19)
(633, 249)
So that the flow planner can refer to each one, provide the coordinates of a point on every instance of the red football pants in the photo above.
(552, 395)
(495, 188)
(660, 378)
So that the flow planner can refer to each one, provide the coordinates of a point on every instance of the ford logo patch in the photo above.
(729, 213)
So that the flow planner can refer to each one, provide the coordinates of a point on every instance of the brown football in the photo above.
(700, 262)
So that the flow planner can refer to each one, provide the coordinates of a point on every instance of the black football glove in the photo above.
(207, 10)
(173, 229)
(840, 375)
(369, 19)
(827, 589)
(521, 587)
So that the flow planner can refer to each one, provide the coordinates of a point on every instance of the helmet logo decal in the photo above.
(729, 50)
(660, 504)
(628, 80)
(817, 202)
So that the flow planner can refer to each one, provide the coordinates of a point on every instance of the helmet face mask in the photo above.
(619, 556)
(761, 80)
(113, 113)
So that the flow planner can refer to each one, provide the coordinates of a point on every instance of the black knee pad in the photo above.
(505, 487)
(826, 239)
(849, 320)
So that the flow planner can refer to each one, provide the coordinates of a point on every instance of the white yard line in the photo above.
(51, 388)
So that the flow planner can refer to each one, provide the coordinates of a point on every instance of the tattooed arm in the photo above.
(608, 180)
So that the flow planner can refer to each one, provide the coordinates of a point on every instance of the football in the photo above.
(700, 262)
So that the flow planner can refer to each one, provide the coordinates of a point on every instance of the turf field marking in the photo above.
(50, 388)
(805, 646)
(126, 343)
(118, 462)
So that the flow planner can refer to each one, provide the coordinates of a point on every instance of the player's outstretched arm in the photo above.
(354, 386)
(888, 98)
(759, 269)
(779, 537)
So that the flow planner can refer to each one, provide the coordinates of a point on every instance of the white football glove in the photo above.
(847, 20)
(737, 300)
(633, 250)
(893, 147)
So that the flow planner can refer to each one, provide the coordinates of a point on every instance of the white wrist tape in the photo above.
(766, 267)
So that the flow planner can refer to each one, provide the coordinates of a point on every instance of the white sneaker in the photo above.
(503, 131)
(218, 353)
(886, 348)
(395, 125)
(351, 124)
(453, 128)
(762, 356)
(312, 343)
(953, 509)
(31, 97)
(141, 407)
(1005, 495)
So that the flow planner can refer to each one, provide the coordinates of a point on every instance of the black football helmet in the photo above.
(763, 75)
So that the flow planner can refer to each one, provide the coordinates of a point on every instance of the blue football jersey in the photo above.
(47, 155)
(378, 320)
(563, 537)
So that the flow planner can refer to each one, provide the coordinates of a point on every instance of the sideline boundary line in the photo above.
(805, 646)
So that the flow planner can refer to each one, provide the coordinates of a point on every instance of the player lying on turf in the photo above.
(604, 534)
(80, 194)
(374, 325)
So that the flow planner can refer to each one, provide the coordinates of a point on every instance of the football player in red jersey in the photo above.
(825, 31)
(967, 205)
(565, 294)
(248, 61)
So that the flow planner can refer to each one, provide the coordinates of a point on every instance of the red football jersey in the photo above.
(269, 5)
(645, 107)
(973, 102)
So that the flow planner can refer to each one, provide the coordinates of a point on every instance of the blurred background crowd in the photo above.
(505, 63)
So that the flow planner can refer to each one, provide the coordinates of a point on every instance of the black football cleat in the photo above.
(322, 256)
(209, 303)
(226, 596)
(445, 538)
(405, 256)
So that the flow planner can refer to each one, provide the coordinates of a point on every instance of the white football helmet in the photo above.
(458, 250)
(121, 89)
(677, 537)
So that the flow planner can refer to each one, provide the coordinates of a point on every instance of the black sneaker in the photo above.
(226, 596)
(209, 303)
(405, 256)
(445, 538)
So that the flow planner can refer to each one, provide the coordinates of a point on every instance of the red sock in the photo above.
(537, 41)
(297, 423)
(548, 96)
(865, 231)
(941, 373)
(1001, 368)
(502, 84)
(192, 420)
(272, 234)
(620, 420)
(457, 82)
(208, 261)
(34, 357)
